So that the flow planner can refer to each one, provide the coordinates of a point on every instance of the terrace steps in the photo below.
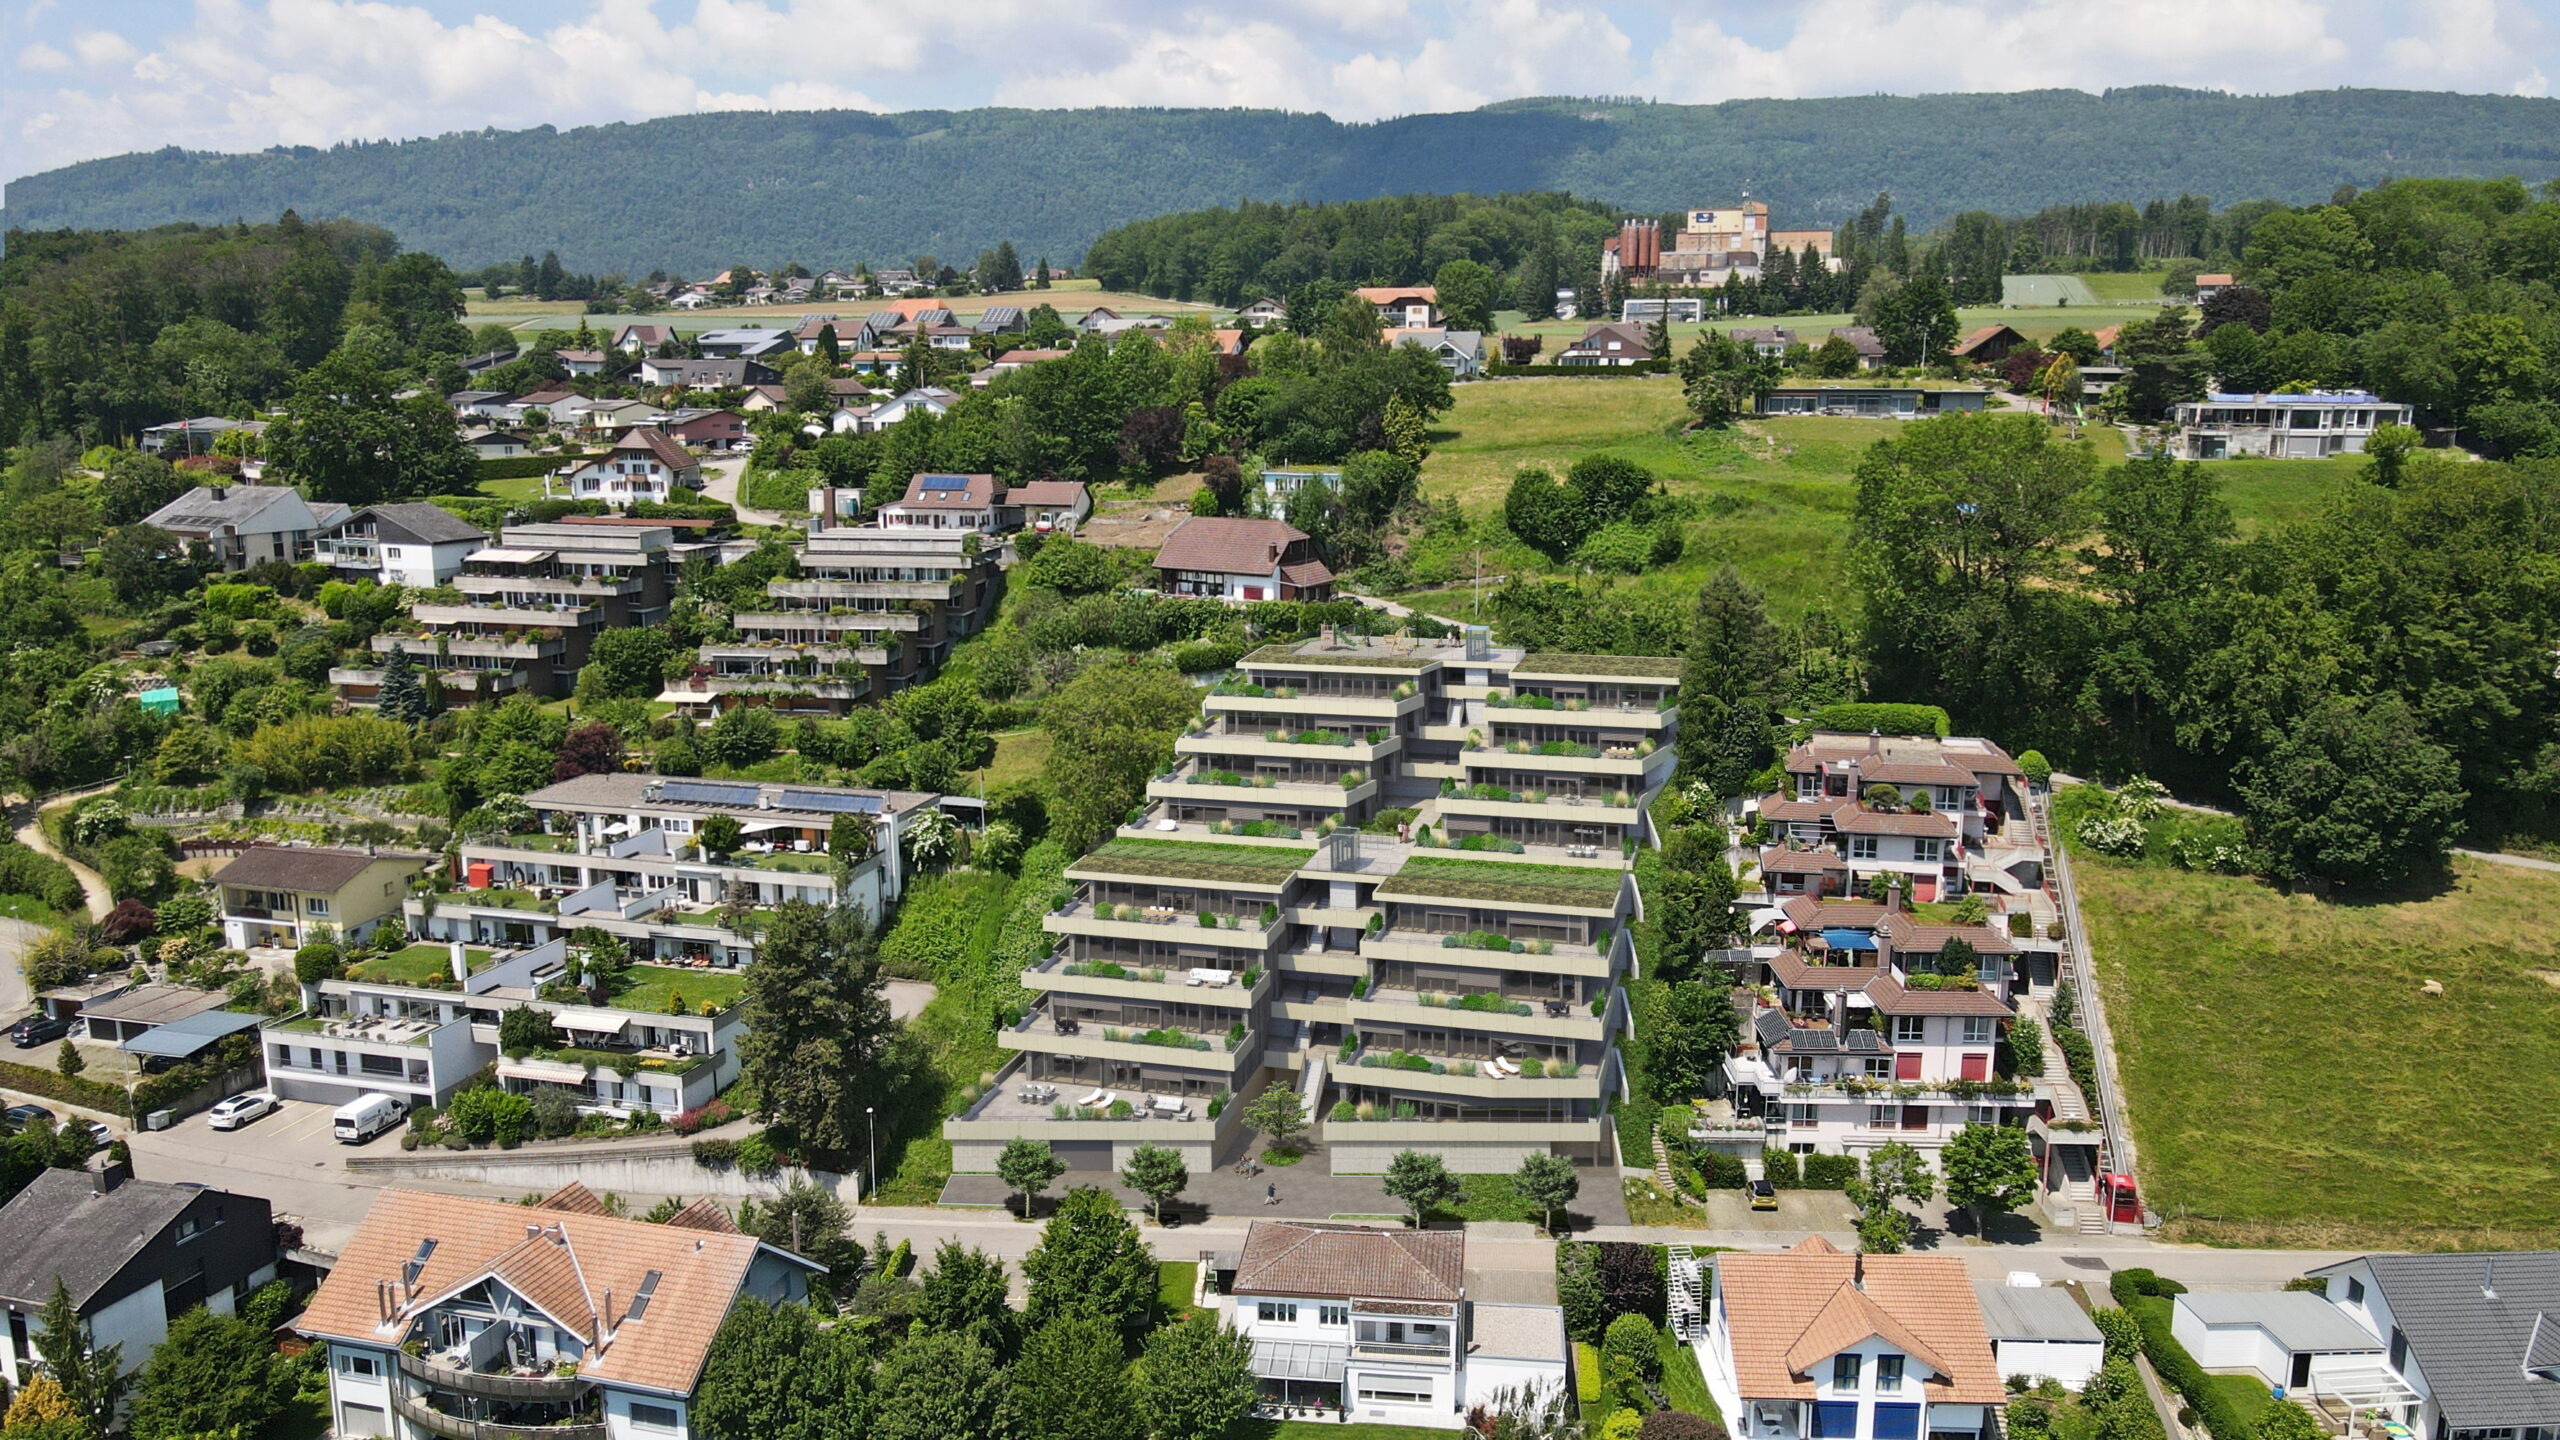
(2080, 1187)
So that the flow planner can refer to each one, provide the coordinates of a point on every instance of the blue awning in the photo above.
(1848, 940)
(181, 1038)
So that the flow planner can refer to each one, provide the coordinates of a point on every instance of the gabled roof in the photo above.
(2470, 1320)
(304, 869)
(1788, 1313)
(202, 511)
(580, 1269)
(1387, 294)
(1863, 338)
(658, 444)
(59, 1227)
(1985, 336)
(417, 523)
(1226, 545)
(1284, 1257)
(704, 1214)
(1046, 493)
(937, 490)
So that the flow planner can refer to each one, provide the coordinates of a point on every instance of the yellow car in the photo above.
(1764, 1196)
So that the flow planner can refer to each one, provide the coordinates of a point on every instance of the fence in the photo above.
(2079, 971)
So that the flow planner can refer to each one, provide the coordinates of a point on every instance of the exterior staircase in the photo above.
(2080, 1187)
(1686, 1308)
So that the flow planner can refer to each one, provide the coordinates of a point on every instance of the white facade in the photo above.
(2072, 1363)
(2283, 427)
(1407, 1369)
(425, 566)
(2266, 1344)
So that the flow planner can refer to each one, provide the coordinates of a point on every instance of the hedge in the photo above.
(2145, 1296)
(526, 467)
(2080, 1055)
(1890, 719)
(87, 1094)
(1829, 1172)
(24, 871)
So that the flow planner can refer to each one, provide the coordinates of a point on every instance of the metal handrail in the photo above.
(2079, 969)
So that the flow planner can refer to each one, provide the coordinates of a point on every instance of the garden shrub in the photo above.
(1779, 1168)
(1829, 1172)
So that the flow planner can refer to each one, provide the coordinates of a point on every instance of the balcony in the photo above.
(1016, 1105)
(1644, 759)
(1227, 739)
(447, 1372)
(454, 1427)
(1170, 1045)
(428, 649)
(825, 624)
(1491, 1014)
(1204, 784)
(1426, 1133)
(1551, 957)
(1105, 978)
(1240, 696)
(1162, 925)
(502, 613)
(595, 587)
(1501, 802)
(1465, 1079)
(824, 589)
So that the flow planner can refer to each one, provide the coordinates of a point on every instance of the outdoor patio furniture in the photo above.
(1093, 1099)
(1559, 1008)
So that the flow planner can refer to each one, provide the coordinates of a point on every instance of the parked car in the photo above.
(22, 1116)
(37, 1029)
(1764, 1196)
(99, 1135)
(366, 1116)
(240, 1109)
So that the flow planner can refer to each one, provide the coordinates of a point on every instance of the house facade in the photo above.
(1049, 506)
(2467, 1345)
(647, 463)
(1885, 402)
(455, 1316)
(1460, 352)
(132, 1254)
(243, 525)
(1403, 306)
(412, 544)
(947, 502)
(1240, 561)
(1811, 1344)
(279, 895)
(1376, 1325)
(1453, 987)
(1607, 344)
(2309, 426)
(872, 611)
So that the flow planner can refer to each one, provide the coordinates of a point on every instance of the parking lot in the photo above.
(287, 1157)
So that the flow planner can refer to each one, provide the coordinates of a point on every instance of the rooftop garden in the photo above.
(1289, 655)
(501, 899)
(421, 964)
(1196, 860)
(792, 861)
(1499, 880)
(539, 840)
(1655, 666)
(649, 989)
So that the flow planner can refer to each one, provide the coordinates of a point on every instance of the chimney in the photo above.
(604, 1320)
(219, 491)
(1858, 1268)
(2489, 1278)
(107, 1177)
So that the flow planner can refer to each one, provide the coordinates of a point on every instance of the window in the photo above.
(1982, 1114)
(359, 1365)
(1844, 1371)
(1334, 1315)
(2355, 1291)
(1395, 1397)
(316, 905)
(1862, 847)
(1980, 1029)
(1947, 797)
(1928, 849)
(1279, 1312)
(1888, 1374)
(362, 1420)
(1884, 1117)
(1908, 1029)
(656, 1417)
(188, 1229)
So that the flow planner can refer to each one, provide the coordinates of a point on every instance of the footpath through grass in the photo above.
(2290, 1085)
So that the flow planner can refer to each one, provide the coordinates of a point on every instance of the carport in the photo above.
(182, 1039)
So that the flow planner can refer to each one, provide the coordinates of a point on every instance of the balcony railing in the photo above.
(552, 1389)
(454, 1427)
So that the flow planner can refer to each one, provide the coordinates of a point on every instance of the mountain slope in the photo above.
(698, 192)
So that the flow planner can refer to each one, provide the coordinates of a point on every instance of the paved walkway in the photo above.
(31, 834)
(720, 482)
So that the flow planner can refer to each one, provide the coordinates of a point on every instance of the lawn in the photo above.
(29, 907)
(1682, 1381)
(1327, 1430)
(2289, 1084)
(2247, 1395)
(416, 964)
(647, 987)
(1175, 1280)
(1021, 756)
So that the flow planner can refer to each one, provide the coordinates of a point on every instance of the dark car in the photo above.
(37, 1029)
(22, 1116)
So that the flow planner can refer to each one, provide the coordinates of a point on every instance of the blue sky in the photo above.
(84, 79)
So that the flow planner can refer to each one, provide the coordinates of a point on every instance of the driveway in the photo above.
(720, 476)
(288, 1157)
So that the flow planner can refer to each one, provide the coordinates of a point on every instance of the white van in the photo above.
(366, 1116)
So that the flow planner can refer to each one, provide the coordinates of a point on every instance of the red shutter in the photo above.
(1976, 1067)
(1906, 1066)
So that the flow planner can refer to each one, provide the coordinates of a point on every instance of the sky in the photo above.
(89, 78)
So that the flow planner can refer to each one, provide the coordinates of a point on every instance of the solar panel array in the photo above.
(695, 792)
(828, 803)
(946, 482)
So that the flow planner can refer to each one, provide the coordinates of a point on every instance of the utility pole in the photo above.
(1479, 601)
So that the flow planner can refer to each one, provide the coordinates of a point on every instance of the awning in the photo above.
(505, 555)
(1848, 940)
(1300, 1360)
(181, 1038)
(1766, 916)
(591, 1022)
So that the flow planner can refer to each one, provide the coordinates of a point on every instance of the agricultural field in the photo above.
(2260, 1119)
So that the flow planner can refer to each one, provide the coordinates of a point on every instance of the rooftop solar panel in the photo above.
(830, 803)
(693, 792)
(946, 482)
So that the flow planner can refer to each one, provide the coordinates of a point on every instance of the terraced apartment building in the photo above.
(523, 613)
(625, 854)
(870, 611)
(1393, 875)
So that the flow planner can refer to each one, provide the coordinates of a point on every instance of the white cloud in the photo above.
(102, 48)
(41, 56)
(789, 95)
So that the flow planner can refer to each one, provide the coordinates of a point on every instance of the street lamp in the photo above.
(870, 1152)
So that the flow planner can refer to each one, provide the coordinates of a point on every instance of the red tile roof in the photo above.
(1788, 1313)
(1284, 1257)
(1228, 546)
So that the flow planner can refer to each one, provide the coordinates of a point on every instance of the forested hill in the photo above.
(696, 192)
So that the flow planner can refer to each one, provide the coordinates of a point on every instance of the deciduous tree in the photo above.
(1422, 1181)
(1195, 1381)
(1091, 1262)
(1989, 1170)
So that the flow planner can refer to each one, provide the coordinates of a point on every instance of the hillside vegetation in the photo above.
(834, 186)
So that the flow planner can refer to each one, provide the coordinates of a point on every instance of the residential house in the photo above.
(932, 398)
(695, 298)
(947, 502)
(581, 363)
(1228, 343)
(1092, 321)
(486, 405)
(1012, 360)
(874, 362)
(846, 387)
(813, 328)
(1989, 345)
(1269, 312)
(1769, 342)
(2208, 286)
(2308, 426)
(1813, 1343)
(132, 1254)
(2293, 1340)
(1001, 320)
(1608, 344)
(488, 360)
(411, 543)
(1942, 818)
(1460, 352)
(532, 604)
(1889, 402)
(897, 282)
(2468, 1349)
(720, 431)
(1863, 340)
(2107, 371)
(1280, 486)
(1453, 988)
(872, 611)
(640, 339)
(2039, 1333)
(1046, 506)
(612, 417)
(280, 895)
(496, 444)
(196, 436)
(646, 463)
(243, 525)
(708, 374)
(744, 344)
(541, 404)
(765, 399)
(1403, 306)
(1241, 560)
(451, 1315)
(950, 338)
(145, 1009)
(1377, 1325)
(1680, 310)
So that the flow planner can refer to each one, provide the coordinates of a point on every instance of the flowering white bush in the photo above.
(2113, 835)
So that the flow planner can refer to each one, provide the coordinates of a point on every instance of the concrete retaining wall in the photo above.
(637, 1169)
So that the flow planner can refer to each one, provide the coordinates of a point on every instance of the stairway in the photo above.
(2080, 1187)
(1662, 1165)
(1686, 1309)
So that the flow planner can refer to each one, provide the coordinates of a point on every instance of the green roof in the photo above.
(1288, 655)
(1498, 880)
(1197, 860)
(1655, 666)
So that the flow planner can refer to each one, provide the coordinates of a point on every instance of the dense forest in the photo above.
(832, 187)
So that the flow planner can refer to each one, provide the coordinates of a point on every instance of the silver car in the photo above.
(240, 1109)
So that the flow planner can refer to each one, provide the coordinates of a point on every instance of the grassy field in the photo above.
(1175, 1280)
(2119, 288)
(1327, 1430)
(2247, 1395)
(2289, 1084)
(28, 907)
(2036, 322)
(1020, 755)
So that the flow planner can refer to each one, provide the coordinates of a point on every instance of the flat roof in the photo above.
(155, 1005)
(2043, 1312)
(2297, 1319)
(181, 1038)
(1519, 1332)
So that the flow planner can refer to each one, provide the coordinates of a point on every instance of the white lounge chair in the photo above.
(1096, 1098)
